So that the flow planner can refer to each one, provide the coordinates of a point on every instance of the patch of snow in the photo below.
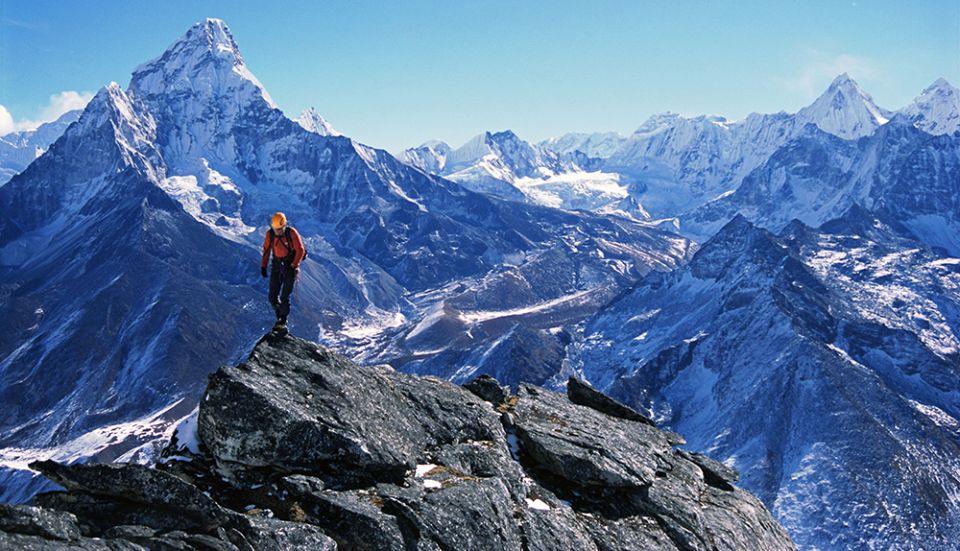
(434, 316)
(537, 504)
(482, 316)
(169, 458)
(937, 230)
(644, 316)
(312, 121)
(937, 415)
(151, 427)
(369, 327)
(574, 190)
(695, 338)
(401, 194)
(186, 432)
(366, 153)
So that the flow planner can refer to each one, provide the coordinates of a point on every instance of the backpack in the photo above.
(288, 243)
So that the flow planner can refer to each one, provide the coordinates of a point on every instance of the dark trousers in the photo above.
(282, 278)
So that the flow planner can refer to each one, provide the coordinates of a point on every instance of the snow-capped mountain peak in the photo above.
(206, 61)
(439, 145)
(657, 123)
(596, 144)
(475, 148)
(200, 92)
(937, 109)
(505, 156)
(216, 36)
(844, 110)
(503, 164)
(503, 136)
(430, 156)
(133, 131)
(108, 101)
(941, 84)
(313, 121)
(845, 81)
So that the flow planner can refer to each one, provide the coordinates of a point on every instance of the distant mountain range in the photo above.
(671, 165)
(19, 149)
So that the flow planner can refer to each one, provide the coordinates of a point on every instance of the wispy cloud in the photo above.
(6, 122)
(817, 69)
(57, 105)
(8, 22)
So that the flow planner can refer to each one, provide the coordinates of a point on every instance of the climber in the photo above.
(288, 251)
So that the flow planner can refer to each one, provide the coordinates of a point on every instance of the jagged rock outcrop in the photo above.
(32, 521)
(583, 394)
(300, 448)
(489, 389)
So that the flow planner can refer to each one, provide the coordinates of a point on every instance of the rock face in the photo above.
(303, 449)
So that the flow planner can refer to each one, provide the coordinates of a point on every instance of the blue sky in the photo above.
(394, 74)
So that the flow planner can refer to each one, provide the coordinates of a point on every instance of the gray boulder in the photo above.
(355, 520)
(267, 534)
(715, 473)
(139, 484)
(489, 389)
(582, 393)
(623, 469)
(23, 542)
(608, 462)
(29, 528)
(98, 515)
(295, 407)
(586, 447)
(54, 525)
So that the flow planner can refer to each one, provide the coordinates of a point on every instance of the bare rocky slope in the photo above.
(299, 448)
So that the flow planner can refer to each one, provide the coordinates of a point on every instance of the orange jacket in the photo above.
(280, 250)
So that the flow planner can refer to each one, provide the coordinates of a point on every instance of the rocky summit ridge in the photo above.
(299, 448)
